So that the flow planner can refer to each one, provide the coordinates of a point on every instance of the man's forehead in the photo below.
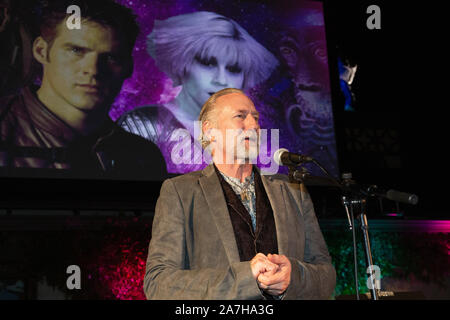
(91, 32)
(235, 101)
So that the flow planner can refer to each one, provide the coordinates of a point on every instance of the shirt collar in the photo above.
(47, 121)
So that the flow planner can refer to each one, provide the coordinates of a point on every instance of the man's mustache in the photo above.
(251, 135)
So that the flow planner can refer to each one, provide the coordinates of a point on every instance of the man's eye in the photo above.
(76, 50)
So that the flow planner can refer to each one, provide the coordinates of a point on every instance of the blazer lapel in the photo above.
(215, 199)
(276, 193)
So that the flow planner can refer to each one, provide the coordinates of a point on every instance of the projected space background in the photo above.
(290, 89)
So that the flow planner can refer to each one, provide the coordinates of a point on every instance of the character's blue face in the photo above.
(209, 75)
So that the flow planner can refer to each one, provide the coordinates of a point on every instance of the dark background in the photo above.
(395, 138)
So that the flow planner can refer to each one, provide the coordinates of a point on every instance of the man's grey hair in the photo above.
(209, 111)
(176, 42)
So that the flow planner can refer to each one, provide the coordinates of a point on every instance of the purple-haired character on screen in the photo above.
(203, 52)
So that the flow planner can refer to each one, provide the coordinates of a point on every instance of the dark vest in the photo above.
(249, 243)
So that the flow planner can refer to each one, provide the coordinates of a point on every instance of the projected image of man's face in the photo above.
(84, 67)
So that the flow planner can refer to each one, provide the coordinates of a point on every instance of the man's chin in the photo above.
(249, 156)
(89, 103)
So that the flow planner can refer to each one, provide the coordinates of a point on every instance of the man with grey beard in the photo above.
(228, 232)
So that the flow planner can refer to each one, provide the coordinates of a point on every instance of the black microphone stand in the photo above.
(298, 175)
(352, 196)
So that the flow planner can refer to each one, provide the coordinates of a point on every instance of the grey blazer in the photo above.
(193, 252)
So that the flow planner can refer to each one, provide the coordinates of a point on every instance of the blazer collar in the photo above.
(217, 205)
(276, 193)
(215, 199)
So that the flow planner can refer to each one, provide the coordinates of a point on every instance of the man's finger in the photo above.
(262, 285)
(273, 289)
(271, 267)
(278, 259)
(271, 278)
(261, 255)
(260, 264)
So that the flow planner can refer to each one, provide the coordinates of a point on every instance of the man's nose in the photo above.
(90, 64)
(251, 122)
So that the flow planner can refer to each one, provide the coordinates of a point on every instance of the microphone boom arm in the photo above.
(352, 194)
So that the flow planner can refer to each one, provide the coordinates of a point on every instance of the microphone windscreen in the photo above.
(277, 156)
(402, 197)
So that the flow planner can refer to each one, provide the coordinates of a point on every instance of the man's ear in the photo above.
(206, 129)
(41, 50)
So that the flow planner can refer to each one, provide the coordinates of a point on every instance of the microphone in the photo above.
(285, 158)
(394, 195)
(404, 197)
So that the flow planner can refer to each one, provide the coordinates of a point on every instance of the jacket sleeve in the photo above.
(168, 275)
(314, 277)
